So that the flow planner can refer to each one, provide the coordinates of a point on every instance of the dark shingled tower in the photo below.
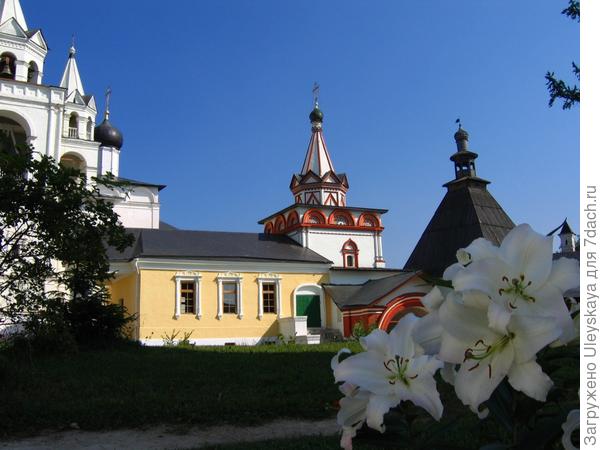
(467, 212)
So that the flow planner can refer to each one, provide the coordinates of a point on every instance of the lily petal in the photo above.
(529, 253)
(366, 370)
(376, 408)
(428, 333)
(529, 379)
(475, 383)
(531, 335)
(433, 299)
(400, 338)
(564, 274)
(335, 361)
(424, 393)
(377, 341)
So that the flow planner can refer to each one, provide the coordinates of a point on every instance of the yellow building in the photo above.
(224, 288)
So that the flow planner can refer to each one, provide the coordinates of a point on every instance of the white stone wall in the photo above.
(329, 243)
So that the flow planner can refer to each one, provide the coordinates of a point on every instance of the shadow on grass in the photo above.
(133, 386)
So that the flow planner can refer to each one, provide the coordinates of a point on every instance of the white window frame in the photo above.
(274, 279)
(230, 278)
(196, 278)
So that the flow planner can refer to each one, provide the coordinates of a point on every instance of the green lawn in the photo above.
(134, 386)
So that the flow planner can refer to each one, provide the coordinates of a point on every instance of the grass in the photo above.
(134, 386)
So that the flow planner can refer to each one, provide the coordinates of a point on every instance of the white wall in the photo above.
(329, 243)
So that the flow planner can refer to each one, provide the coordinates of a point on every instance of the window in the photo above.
(73, 131)
(187, 297)
(269, 294)
(350, 254)
(230, 295)
(230, 298)
(187, 294)
(268, 298)
(341, 220)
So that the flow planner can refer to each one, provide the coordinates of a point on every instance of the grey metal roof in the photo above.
(214, 245)
(467, 212)
(141, 183)
(368, 292)
(166, 226)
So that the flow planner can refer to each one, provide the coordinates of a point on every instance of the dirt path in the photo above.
(168, 437)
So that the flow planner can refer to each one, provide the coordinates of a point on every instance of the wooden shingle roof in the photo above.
(467, 212)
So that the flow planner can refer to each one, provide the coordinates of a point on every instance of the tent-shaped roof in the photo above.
(467, 212)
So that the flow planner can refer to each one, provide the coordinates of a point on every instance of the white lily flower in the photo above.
(487, 356)
(427, 332)
(569, 427)
(480, 248)
(391, 372)
(521, 278)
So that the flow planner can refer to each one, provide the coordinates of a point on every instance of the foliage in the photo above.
(170, 340)
(558, 89)
(359, 330)
(54, 229)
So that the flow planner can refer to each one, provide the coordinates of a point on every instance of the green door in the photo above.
(310, 306)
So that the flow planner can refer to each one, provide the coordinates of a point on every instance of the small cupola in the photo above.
(568, 239)
(106, 133)
(464, 159)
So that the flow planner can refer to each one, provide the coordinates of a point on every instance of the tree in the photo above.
(558, 89)
(54, 229)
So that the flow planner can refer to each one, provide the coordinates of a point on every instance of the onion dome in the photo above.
(108, 135)
(316, 115)
(461, 135)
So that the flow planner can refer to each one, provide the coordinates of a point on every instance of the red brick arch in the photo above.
(341, 212)
(292, 219)
(313, 213)
(403, 304)
(364, 217)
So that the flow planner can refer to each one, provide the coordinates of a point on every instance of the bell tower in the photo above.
(319, 218)
(22, 51)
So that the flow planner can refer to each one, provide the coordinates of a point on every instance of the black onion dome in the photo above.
(108, 135)
(316, 115)
(461, 135)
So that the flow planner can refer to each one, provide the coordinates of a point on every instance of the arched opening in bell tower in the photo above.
(74, 126)
(33, 73)
(8, 66)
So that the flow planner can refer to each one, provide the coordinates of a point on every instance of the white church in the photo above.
(61, 121)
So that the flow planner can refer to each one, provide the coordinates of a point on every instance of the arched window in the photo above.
(15, 132)
(8, 66)
(292, 219)
(73, 161)
(341, 217)
(313, 217)
(280, 224)
(350, 254)
(74, 126)
(368, 220)
(269, 228)
(33, 73)
(89, 129)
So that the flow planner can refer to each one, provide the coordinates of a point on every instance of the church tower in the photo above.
(468, 211)
(320, 219)
(60, 121)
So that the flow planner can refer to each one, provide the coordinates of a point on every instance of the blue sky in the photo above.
(213, 98)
